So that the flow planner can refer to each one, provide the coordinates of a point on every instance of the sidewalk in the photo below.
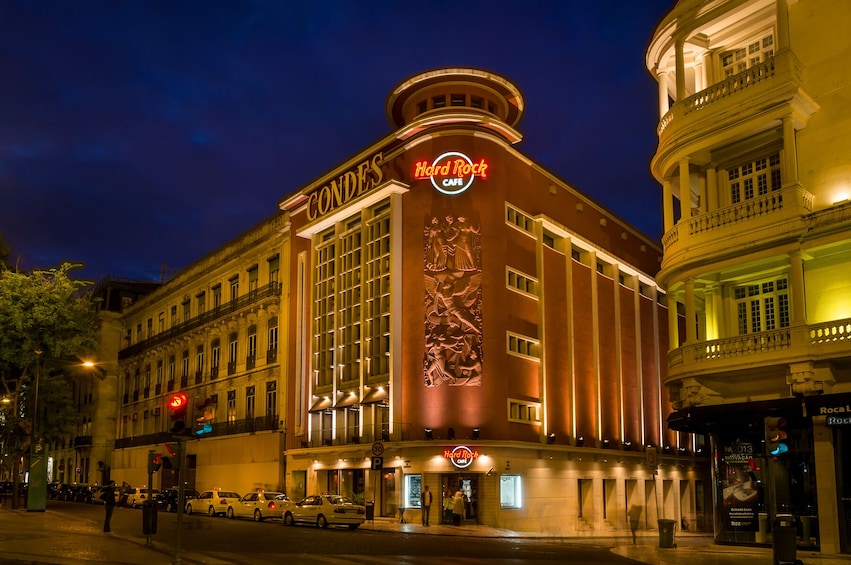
(48, 537)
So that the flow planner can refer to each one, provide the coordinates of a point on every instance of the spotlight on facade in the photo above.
(428, 433)
(450, 433)
(580, 441)
(551, 438)
(683, 451)
(605, 444)
(627, 445)
(666, 449)
(476, 433)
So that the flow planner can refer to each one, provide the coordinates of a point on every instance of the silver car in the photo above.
(258, 505)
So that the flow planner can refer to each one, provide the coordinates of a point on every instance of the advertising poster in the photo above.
(740, 487)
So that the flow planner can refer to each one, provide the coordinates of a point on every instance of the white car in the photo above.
(324, 510)
(137, 496)
(258, 505)
(213, 502)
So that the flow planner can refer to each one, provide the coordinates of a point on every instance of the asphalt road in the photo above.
(220, 540)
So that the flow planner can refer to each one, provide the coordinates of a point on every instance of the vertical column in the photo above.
(681, 70)
(673, 326)
(782, 26)
(799, 315)
(662, 78)
(790, 152)
(691, 327)
(667, 204)
(699, 74)
(711, 188)
(685, 189)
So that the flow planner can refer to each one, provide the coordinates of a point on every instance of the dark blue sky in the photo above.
(135, 134)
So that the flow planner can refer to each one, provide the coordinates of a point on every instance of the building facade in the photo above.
(464, 319)
(753, 157)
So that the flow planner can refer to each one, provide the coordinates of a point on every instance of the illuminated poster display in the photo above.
(453, 302)
(740, 487)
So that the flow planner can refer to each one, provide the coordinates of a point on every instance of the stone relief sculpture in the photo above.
(453, 300)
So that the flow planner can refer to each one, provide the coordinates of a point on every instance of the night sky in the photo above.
(139, 134)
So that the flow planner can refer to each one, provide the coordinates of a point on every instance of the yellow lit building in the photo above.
(753, 157)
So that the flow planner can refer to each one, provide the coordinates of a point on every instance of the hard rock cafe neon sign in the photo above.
(451, 173)
(461, 456)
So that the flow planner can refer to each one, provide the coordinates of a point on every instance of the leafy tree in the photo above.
(47, 323)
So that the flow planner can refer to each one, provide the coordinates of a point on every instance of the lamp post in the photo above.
(37, 482)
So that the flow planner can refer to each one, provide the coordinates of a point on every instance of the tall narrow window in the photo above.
(249, 402)
(272, 351)
(763, 306)
(234, 288)
(231, 406)
(199, 364)
(274, 267)
(271, 398)
(217, 296)
(253, 274)
(215, 357)
(232, 351)
(251, 357)
(184, 368)
(201, 302)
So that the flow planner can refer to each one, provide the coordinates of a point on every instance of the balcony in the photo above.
(82, 441)
(367, 435)
(751, 100)
(199, 377)
(731, 358)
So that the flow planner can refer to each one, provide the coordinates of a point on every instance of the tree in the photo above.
(46, 318)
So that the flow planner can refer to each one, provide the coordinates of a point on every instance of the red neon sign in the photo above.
(452, 172)
(178, 400)
(461, 456)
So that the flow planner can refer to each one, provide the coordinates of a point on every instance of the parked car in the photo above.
(324, 510)
(213, 502)
(258, 505)
(96, 496)
(138, 495)
(167, 498)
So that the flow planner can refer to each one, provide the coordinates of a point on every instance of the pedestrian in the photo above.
(634, 516)
(448, 505)
(108, 496)
(123, 494)
(426, 504)
(458, 509)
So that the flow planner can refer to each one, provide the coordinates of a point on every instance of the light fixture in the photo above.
(580, 441)
(627, 445)
(605, 444)
(476, 433)
(428, 433)
(683, 451)
(551, 438)
(450, 433)
(666, 449)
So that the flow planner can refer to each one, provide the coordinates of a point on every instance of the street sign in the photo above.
(378, 449)
(651, 459)
(377, 463)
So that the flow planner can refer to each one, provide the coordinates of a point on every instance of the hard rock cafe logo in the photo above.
(461, 456)
(451, 173)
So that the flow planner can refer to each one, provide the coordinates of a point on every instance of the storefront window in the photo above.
(413, 486)
(510, 491)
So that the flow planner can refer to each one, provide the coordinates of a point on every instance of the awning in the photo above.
(376, 394)
(322, 403)
(721, 417)
(346, 399)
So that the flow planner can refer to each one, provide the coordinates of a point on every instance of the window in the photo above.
(519, 219)
(520, 282)
(249, 402)
(523, 346)
(232, 351)
(524, 412)
(422, 107)
(234, 288)
(438, 102)
(217, 295)
(274, 268)
(251, 357)
(187, 312)
(762, 306)
(147, 384)
(475, 102)
(272, 351)
(457, 100)
(199, 363)
(755, 178)
(139, 335)
(215, 358)
(171, 369)
(159, 375)
(150, 332)
(413, 491)
(253, 274)
(161, 328)
(271, 398)
(510, 491)
(750, 54)
(184, 365)
(231, 406)
(174, 320)
(200, 302)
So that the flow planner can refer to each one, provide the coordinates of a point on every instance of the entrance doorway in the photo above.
(468, 485)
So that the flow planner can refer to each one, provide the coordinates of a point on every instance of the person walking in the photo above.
(108, 497)
(426, 504)
(448, 504)
(458, 508)
(634, 517)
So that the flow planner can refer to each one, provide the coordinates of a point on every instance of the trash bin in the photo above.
(666, 533)
(149, 518)
(784, 543)
(370, 510)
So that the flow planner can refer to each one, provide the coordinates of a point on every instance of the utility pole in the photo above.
(181, 496)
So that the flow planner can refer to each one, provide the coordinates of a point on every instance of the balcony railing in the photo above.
(271, 290)
(81, 441)
(248, 425)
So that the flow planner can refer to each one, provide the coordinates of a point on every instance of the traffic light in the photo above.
(204, 417)
(178, 403)
(776, 436)
(155, 461)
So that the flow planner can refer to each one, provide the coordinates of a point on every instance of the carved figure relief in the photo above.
(453, 300)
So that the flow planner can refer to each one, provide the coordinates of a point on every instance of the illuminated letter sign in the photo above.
(461, 456)
(451, 173)
(346, 187)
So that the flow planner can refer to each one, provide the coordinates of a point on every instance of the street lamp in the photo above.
(37, 482)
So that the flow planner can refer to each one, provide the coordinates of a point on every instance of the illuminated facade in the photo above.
(754, 138)
(464, 319)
